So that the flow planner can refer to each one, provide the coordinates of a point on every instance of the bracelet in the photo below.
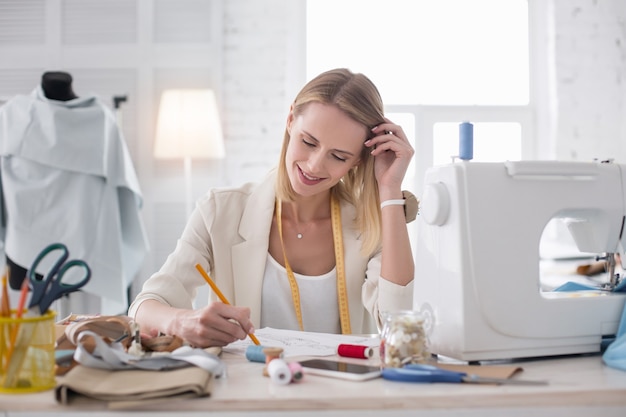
(399, 202)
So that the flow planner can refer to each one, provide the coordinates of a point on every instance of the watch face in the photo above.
(411, 206)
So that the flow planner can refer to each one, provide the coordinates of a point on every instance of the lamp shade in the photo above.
(188, 125)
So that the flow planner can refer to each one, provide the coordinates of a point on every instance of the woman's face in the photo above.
(324, 144)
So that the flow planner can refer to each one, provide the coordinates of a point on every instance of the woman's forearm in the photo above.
(397, 257)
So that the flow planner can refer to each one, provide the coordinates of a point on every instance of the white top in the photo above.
(318, 299)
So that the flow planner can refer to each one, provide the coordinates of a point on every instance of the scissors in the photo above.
(430, 373)
(52, 287)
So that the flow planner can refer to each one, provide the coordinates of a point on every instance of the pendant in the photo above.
(299, 235)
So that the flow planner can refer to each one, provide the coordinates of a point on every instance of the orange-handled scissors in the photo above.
(52, 287)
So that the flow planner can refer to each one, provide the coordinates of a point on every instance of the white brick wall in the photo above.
(255, 65)
(590, 57)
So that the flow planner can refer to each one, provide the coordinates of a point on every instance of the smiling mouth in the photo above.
(308, 177)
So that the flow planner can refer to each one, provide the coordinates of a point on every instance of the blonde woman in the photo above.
(320, 244)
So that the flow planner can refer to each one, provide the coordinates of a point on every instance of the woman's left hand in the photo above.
(392, 152)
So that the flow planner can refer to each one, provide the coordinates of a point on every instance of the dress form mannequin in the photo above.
(59, 163)
(57, 85)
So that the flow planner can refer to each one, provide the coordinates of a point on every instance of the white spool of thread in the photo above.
(279, 371)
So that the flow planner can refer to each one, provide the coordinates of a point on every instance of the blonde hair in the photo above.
(356, 96)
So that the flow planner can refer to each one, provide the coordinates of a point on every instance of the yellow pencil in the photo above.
(217, 291)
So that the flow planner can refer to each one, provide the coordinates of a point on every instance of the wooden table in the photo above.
(578, 386)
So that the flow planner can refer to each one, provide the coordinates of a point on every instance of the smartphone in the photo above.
(338, 369)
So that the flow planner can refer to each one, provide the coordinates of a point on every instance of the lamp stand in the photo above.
(188, 187)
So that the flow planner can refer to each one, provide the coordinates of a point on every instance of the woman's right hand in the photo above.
(217, 324)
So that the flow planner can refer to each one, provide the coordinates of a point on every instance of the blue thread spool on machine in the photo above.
(466, 141)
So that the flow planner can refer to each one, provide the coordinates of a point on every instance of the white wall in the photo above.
(589, 47)
(252, 53)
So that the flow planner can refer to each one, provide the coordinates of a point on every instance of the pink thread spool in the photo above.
(296, 371)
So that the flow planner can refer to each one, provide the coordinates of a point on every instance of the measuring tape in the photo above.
(342, 295)
(342, 292)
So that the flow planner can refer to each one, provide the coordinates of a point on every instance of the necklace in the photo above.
(344, 313)
(299, 234)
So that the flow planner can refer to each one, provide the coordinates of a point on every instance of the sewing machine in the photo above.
(477, 257)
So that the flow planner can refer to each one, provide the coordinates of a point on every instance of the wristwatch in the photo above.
(411, 206)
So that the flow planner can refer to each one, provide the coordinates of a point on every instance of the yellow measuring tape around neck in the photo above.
(342, 295)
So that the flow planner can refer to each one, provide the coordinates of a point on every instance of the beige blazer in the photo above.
(228, 234)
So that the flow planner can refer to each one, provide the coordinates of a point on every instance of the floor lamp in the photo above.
(188, 127)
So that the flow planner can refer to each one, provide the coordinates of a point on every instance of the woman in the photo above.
(311, 247)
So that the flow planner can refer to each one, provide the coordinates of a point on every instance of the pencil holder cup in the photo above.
(27, 353)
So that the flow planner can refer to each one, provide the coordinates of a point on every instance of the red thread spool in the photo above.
(355, 351)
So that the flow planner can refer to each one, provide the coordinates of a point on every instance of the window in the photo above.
(443, 52)
(436, 64)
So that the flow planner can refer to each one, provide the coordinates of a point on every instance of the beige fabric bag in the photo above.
(132, 385)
